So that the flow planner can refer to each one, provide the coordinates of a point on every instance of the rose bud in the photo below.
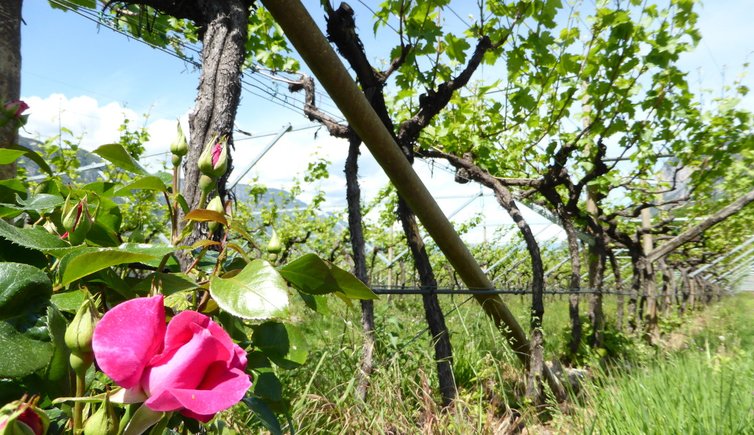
(103, 422)
(77, 221)
(78, 336)
(215, 205)
(213, 162)
(179, 147)
(23, 418)
(13, 112)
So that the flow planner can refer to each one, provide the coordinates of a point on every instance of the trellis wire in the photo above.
(496, 291)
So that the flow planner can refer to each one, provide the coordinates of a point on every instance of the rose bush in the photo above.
(191, 365)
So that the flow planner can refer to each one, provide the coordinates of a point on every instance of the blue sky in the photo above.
(87, 79)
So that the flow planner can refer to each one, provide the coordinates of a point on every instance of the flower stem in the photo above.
(78, 407)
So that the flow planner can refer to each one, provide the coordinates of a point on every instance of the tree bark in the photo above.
(10, 73)
(353, 198)
(223, 53)
(619, 289)
(535, 384)
(596, 275)
(636, 286)
(685, 291)
(668, 284)
(433, 312)
(574, 285)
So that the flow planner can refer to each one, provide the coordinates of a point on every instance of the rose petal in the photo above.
(184, 367)
(228, 388)
(127, 337)
(178, 333)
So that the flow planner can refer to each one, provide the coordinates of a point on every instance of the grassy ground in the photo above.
(702, 389)
(707, 388)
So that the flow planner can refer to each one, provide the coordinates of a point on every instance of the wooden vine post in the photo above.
(650, 290)
(316, 51)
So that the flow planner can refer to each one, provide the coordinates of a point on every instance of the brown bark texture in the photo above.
(574, 284)
(353, 198)
(620, 298)
(10, 72)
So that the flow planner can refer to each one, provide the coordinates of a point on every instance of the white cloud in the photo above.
(288, 159)
(93, 123)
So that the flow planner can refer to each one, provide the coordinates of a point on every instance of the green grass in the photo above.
(707, 388)
(403, 395)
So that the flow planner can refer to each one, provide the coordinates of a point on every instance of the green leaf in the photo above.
(149, 182)
(20, 254)
(81, 264)
(32, 238)
(8, 156)
(69, 301)
(23, 289)
(282, 343)
(21, 354)
(204, 215)
(264, 414)
(308, 273)
(257, 292)
(267, 386)
(456, 47)
(351, 286)
(315, 276)
(34, 157)
(168, 283)
(116, 154)
(143, 419)
(43, 201)
(56, 324)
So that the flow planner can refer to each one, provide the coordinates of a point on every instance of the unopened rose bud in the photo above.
(206, 184)
(12, 112)
(77, 221)
(23, 418)
(103, 422)
(213, 162)
(78, 336)
(215, 205)
(16, 108)
(179, 147)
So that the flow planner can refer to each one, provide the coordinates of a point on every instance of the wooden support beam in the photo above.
(314, 48)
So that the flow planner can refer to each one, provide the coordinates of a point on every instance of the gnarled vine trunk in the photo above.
(10, 72)
(219, 92)
(353, 198)
(574, 285)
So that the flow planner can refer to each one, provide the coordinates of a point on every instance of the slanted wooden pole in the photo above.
(313, 47)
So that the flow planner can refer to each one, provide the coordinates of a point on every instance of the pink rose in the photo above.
(18, 107)
(191, 366)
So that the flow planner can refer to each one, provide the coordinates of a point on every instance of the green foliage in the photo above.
(109, 260)
(705, 389)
